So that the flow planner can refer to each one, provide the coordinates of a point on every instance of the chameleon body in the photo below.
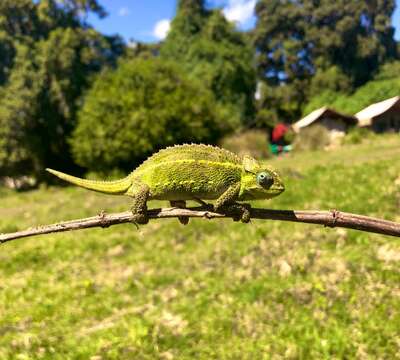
(191, 172)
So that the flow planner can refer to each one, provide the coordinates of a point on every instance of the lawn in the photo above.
(211, 289)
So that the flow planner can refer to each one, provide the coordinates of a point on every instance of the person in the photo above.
(279, 139)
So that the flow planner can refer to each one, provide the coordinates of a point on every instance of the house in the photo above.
(335, 122)
(382, 116)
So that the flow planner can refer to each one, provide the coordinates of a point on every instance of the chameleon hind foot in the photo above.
(140, 218)
(184, 220)
(140, 194)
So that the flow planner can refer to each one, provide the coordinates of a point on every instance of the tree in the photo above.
(185, 27)
(17, 108)
(142, 106)
(384, 85)
(297, 40)
(50, 54)
(209, 49)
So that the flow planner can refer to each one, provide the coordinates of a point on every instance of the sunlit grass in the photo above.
(212, 289)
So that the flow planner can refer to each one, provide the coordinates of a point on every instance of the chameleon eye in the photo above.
(265, 180)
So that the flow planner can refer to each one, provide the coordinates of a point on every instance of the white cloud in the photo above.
(239, 11)
(124, 11)
(161, 29)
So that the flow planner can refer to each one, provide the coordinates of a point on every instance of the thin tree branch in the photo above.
(332, 218)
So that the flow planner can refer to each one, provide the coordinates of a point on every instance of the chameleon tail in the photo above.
(108, 187)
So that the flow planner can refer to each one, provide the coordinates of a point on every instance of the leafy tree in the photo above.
(12, 27)
(17, 108)
(144, 50)
(325, 98)
(209, 49)
(142, 106)
(388, 71)
(384, 85)
(342, 43)
(49, 55)
(185, 27)
(330, 79)
(277, 104)
(371, 92)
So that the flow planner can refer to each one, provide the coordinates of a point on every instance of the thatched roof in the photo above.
(366, 115)
(321, 113)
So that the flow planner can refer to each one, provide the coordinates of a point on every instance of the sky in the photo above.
(148, 20)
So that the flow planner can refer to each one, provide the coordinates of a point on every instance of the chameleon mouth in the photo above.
(277, 189)
(271, 192)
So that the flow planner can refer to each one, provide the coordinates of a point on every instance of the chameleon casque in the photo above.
(191, 172)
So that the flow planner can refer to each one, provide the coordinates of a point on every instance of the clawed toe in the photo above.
(140, 219)
(238, 212)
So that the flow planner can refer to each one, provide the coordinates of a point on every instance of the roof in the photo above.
(366, 115)
(319, 113)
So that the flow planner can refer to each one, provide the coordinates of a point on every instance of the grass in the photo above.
(212, 289)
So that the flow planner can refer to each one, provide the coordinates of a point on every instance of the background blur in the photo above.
(98, 86)
(93, 87)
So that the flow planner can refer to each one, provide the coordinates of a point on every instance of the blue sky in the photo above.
(148, 20)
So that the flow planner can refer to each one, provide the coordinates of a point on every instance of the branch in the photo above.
(332, 218)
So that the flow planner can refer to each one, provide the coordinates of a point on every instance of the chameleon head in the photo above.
(258, 182)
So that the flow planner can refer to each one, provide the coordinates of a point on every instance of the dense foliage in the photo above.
(142, 106)
(384, 85)
(308, 46)
(48, 55)
(209, 49)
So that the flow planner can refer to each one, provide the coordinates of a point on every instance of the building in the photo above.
(335, 122)
(382, 116)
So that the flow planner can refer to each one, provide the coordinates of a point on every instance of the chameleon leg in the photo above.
(140, 194)
(227, 202)
(180, 204)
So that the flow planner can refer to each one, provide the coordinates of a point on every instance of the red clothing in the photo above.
(278, 132)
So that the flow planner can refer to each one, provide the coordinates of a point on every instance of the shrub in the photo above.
(314, 137)
(266, 118)
(142, 106)
(250, 142)
(357, 135)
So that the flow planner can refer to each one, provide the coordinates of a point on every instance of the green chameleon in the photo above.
(191, 172)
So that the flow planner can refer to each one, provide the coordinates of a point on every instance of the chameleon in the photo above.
(191, 172)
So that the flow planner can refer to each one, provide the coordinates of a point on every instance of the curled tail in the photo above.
(107, 187)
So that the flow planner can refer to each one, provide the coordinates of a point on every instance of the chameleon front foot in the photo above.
(239, 212)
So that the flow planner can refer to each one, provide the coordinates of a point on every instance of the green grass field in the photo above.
(212, 289)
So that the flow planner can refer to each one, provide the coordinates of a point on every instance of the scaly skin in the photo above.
(191, 172)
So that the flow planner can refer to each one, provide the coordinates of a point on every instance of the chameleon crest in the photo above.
(191, 172)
